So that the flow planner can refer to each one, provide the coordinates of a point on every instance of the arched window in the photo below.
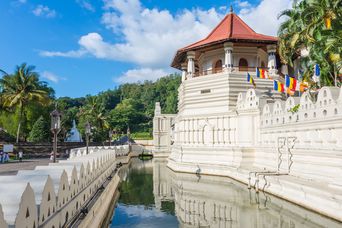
(218, 66)
(243, 65)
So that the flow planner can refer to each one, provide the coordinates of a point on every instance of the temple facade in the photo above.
(231, 47)
(289, 147)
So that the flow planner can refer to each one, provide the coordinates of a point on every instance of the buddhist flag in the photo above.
(250, 80)
(303, 86)
(317, 73)
(291, 83)
(261, 73)
(278, 86)
(328, 22)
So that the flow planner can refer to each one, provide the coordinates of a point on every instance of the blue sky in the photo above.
(86, 46)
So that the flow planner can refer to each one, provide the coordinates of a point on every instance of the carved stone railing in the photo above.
(51, 196)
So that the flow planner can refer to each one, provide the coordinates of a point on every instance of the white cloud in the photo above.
(263, 18)
(73, 54)
(141, 75)
(149, 37)
(86, 5)
(52, 77)
(141, 211)
(242, 4)
(44, 11)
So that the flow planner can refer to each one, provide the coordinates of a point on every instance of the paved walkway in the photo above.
(13, 167)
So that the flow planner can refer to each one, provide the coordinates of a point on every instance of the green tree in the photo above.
(22, 88)
(40, 131)
(95, 113)
(127, 114)
(314, 25)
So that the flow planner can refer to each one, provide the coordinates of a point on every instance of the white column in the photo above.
(157, 109)
(184, 72)
(191, 63)
(271, 50)
(228, 56)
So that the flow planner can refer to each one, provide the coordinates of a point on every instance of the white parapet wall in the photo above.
(162, 132)
(51, 196)
(291, 148)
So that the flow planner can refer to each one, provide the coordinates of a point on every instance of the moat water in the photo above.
(151, 195)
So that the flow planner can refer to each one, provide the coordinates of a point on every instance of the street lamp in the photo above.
(87, 132)
(55, 129)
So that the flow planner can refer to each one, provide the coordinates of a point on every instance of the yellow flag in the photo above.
(328, 23)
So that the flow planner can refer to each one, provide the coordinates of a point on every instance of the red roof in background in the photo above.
(231, 27)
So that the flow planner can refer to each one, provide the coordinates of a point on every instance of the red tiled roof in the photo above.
(234, 28)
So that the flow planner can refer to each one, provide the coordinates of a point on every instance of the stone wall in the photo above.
(162, 132)
(43, 150)
(53, 195)
(295, 154)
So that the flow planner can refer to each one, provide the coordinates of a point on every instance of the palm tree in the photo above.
(95, 113)
(21, 88)
(314, 25)
(95, 110)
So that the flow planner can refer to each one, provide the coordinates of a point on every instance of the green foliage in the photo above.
(142, 135)
(130, 104)
(137, 189)
(305, 27)
(294, 109)
(21, 90)
(127, 114)
(5, 136)
(40, 131)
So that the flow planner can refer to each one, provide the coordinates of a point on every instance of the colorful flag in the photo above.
(278, 86)
(317, 73)
(303, 86)
(317, 70)
(290, 91)
(291, 83)
(261, 73)
(328, 22)
(250, 80)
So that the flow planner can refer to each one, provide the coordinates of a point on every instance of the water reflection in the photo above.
(207, 201)
(136, 206)
(187, 200)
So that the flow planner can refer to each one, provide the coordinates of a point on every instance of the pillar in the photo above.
(184, 71)
(191, 63)
(271, 50)
(228, 56)
(157, 109)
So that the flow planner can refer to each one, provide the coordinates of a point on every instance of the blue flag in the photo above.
(317, 70)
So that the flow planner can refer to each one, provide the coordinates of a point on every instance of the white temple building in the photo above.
(74, 135)
(225, 127)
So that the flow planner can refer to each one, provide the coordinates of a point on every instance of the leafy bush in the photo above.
(142, 135)
(40, 131)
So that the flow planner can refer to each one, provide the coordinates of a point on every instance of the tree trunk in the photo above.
(19, 124)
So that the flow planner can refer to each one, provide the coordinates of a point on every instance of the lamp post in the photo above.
(87, 132)
(55, 129)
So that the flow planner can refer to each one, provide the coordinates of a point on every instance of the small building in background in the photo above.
(74, 135)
